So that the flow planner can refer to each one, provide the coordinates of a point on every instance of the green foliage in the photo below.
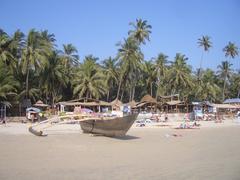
(89, 81)
(32, 67)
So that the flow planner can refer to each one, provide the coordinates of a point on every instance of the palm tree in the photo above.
(89, 81)
(141, 30)
(204, 42)
(180, 74)
(48, 38)
(109, 66)
(17, 44)
(34, 55)
(8, 86)
(69, 56)
(130, 57)
(160, 70)
(53, 77)
(208, 89)
(231, 50)
(235, 85)
(150, 75)
(225, 72)
(5, 48)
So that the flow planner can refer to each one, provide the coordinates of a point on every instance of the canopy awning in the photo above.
(172, 103)
(39, 103)
(225, 106)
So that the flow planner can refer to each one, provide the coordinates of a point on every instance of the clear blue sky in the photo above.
(95, 26)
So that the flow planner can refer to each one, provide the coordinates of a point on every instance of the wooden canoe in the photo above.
(115, 126)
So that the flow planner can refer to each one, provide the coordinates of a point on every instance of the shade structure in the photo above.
(33, 109)
(116, 102)
(132, 104)
(39, 103)
(148, 99)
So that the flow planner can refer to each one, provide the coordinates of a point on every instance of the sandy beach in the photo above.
(211, 152)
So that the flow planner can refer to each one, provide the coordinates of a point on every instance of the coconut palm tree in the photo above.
(129, 59)
(224, 73)
(53, 77)
(231, 50)
(206, 44)
(48, 38)
(89, 81)
(34, 55)
(149, 70)
(141, 30)
(180, 75)
(70, 56)
(208, 89)
(235, 85)
(110, 71)
(160, 70)
(6, 55)
(8, 85)
(17, 45)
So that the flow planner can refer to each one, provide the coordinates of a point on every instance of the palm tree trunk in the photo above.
(224, 86)
(133, 93)
(201, 61)
(108, 95)
(119, 87)
(130, 94)
(151, 88)
(27, 79)
(122, 95)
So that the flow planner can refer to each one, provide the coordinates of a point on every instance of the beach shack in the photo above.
(174, 106)
(116, 104)
(226, 110)
(87, 103)
(147, 103)
(234, 101)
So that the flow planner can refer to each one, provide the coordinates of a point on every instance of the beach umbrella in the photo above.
(39, 103)
(33, 109)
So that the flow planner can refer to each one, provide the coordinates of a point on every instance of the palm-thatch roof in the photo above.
(104, 103)
(116, 102)
(39, 103)
(148, 99)
(132, 103)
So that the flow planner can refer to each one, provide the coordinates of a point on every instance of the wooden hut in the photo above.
(173, 106)
(116, 104)
(147, 103)
(93, 104)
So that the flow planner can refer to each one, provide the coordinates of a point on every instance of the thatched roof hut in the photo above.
(39, 103)
(116, 102)
(148, 99)
(132, 104)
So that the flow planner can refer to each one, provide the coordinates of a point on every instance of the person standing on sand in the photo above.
(165, 117)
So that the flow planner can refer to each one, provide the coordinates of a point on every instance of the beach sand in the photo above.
(145, 153)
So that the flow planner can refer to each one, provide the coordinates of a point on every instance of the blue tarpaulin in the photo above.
(234, 100)
(33, 109)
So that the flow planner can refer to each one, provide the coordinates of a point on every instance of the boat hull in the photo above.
(117, 126)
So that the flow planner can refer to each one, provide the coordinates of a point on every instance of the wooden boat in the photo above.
(115, 126)
(106, 126)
